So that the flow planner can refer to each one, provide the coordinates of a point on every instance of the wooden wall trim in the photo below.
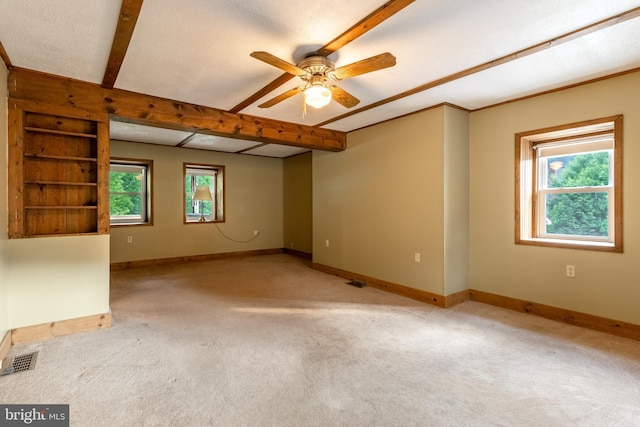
(602, 324)
(63, 327)
(206, 257)
(5, 345)
(422, 110)
(47, 89)
(395, 288)
(104, 166)
(15, 170)
(457, 298)
(299, 254)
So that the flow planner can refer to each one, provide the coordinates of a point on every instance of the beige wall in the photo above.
(253, 200)
(298, 187)
(57, 278)
(606, 284)
(382, 200)
(4, 308)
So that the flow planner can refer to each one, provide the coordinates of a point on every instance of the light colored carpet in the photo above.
(267, 341)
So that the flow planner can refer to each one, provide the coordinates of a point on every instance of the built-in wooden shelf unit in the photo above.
(59, 175)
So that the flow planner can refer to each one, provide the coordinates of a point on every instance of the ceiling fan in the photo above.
(318, 71)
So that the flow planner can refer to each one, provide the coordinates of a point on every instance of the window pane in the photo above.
(125, 182)
(578, 214)
(578, 170)
(190, 206)
(569, 186)
(193, 207)
(209, 176)
(125, 204)
(128, 186)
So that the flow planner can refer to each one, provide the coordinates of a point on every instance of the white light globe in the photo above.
(317, 96)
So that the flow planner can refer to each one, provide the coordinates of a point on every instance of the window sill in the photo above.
(571, 244)
(129, 224)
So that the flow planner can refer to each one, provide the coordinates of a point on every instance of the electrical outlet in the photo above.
(291, 245)
(129, 239)
(326, 243)
(571, 270)
(416, 257)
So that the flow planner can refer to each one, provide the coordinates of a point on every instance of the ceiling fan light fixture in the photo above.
(317, 95)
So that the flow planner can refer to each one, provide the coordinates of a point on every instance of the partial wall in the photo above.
(381, 202)
(605, 284)
(298, 188)
(57, 278)
(456, 200)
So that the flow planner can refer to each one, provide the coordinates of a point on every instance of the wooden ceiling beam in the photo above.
(45, 89)
(5, 57)
(129, 12)
(370, 21)
(375, 18)
(580, 32)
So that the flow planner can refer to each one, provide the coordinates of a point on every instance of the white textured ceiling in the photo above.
(197, 51)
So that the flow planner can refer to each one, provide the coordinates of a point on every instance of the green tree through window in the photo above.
(582, 214)
(124, 204)
(568, 188)
(128, 192)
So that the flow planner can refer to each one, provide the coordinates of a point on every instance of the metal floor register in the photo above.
(24, 362)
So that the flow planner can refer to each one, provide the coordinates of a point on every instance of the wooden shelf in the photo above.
(46, 157)
(61, 207)
(81, 184)
(59, 174)
(60, 132)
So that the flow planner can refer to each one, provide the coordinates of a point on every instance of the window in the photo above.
(569, 186)
(211, 177)
(130, 191)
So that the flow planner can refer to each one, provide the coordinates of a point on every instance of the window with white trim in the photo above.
(211, 177)
(130, 191)
(569, 186)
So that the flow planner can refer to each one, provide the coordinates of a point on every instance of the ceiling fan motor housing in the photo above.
(317, 66)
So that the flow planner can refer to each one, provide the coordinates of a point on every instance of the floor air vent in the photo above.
(24, 362)
(356, 283)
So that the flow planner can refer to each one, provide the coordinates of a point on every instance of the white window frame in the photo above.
(216, 172)
(143, 167)
(532, 151)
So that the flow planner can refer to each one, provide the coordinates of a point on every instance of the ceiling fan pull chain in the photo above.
(304, 106)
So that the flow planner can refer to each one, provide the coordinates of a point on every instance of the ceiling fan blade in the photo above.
(286, 95)
(278, 63)
(378, 62)
(376, 17)
(343, 97)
